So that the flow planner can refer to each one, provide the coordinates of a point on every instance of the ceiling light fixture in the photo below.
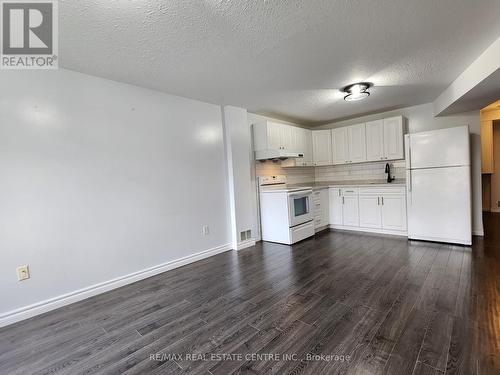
(356, 91)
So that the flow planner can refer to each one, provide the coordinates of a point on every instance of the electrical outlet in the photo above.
(205, 230)
(23, 273)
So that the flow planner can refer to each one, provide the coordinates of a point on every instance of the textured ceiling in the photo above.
(285, 58)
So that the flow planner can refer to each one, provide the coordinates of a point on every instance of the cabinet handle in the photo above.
(339, 192)
(382, 201)
(343, 200)
(378, 201)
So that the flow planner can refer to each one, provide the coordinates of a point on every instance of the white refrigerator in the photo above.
(438, 174)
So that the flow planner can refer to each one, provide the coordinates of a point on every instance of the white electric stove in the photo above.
(286, 213)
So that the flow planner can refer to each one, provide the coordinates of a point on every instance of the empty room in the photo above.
(250, 187)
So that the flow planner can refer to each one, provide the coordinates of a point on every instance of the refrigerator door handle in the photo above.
(407, 151)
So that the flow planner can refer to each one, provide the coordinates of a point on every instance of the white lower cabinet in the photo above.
(370, 215)
(372, 209)
(321, 209)
(335, 195)
(394, 212)
(350, 209)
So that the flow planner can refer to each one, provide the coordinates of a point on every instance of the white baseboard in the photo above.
(495, 209)
(245, 244)
(478, 233)
(371, 230)
(38, 308)
(320, 229)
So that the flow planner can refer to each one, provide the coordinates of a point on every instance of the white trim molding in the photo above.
(244, 244)
(38, 308)
(371, 230)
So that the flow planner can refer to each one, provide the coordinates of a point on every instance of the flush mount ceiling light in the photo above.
(356, 91)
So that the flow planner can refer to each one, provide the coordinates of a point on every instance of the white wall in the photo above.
(101, 179)
(239, 158)
(421, 118)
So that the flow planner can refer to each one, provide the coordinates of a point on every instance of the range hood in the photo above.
(277, 154)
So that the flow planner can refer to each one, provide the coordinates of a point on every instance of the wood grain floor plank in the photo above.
(395, 306)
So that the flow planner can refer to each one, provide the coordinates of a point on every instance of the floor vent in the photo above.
(245, 235)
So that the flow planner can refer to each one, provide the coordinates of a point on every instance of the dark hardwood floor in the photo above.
(340, 303)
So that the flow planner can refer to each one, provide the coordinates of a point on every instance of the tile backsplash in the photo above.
(362, 171)
(295, 175)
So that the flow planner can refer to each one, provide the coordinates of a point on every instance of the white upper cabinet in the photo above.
(322, 147)
(340, 146)
(271, 138)
(267, 136)
(302, 142)
(270, 135)
(288, 137)
(274, 135)
(375, 140)
(384, 139)
(349, 144)
(393, 138)
(357, 143)
(308, 150)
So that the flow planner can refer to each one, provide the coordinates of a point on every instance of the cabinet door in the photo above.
(375, 140)
(287, 135)
(322, 147)
(308, 147)
(318, 209)
(393, 138)
(393, 212)
(325, 200)
(273, 135)
(370, 214)
(297, 139)
(350, 211)
(340, 146)
(335, 206)
(357, 143)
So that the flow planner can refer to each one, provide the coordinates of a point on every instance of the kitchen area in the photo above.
(370, 177)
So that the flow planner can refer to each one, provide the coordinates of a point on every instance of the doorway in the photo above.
(490, 157)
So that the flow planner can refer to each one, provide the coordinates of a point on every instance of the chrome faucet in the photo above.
(388, 171)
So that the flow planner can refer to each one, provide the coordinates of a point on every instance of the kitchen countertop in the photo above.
(350, 183)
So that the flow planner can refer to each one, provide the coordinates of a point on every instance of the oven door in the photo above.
(300, 207)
